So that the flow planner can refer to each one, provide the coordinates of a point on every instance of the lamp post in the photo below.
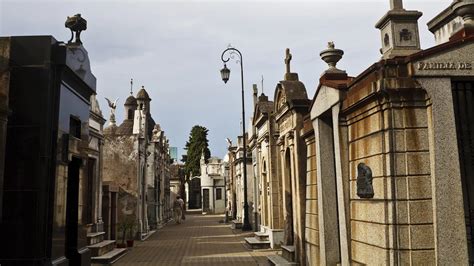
(225, 73)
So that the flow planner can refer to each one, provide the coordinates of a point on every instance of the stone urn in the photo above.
(331, 56)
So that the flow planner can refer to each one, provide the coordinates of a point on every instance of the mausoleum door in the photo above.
(72, 210)
(113, 215)
(463, 100)
(205, 200)
(89, 191)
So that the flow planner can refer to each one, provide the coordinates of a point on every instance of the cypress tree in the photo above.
(195, 146)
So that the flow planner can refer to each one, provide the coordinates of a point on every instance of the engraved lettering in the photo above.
(444, 66)
(421, 65)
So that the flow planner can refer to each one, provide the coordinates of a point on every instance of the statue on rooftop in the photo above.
(113, 106)
(76, 24)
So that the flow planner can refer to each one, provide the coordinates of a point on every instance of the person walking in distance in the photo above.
(178, 209)
(183, 208)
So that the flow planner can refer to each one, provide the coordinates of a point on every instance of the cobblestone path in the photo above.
(199, 240)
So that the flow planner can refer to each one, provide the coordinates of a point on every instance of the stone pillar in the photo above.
(100, 222)
(341, 200)
(448, 213)
(293, 176)
(327, 195)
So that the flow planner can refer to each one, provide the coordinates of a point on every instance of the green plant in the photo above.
(127, 224)
(132, 230)
(195, 147)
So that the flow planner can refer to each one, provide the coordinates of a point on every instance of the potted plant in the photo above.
(123, 227)
(131, 233)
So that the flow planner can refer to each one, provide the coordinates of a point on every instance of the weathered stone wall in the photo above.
(120, 167)
(127, 206)
(120, 162)
(389, 134)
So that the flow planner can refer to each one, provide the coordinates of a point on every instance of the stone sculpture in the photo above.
(76, 24)
(113, 106)
(365, 189)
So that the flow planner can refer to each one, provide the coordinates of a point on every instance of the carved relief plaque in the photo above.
(365, 189)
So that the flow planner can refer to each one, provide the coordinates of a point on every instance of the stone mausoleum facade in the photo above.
(137, 160)
(374, 169)
(213, 185)
(51, 183)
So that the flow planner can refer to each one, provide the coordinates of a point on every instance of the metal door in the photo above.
(205, 200)
(463, 100)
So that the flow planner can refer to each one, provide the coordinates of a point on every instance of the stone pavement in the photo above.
(199, 240)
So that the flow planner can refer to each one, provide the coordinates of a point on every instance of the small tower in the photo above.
(143, 100)
(130, 107)
(130, 104)
(399, 31)
(142, 113)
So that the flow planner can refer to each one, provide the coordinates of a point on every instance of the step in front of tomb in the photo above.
(110, 257)
(278, 260)
(94, 238)
(288, 253)
(102, 248)
(262, 236)
(255, 243)
(236, 224)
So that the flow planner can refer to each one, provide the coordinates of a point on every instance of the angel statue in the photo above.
(229, 142)
(113, 106)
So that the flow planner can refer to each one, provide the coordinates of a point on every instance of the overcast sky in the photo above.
(173, 48)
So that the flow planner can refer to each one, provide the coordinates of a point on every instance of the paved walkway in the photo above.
(199, 240)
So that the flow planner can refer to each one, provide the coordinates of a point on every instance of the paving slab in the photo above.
(198, 240)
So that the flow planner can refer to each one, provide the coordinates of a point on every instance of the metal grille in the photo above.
(463, 100)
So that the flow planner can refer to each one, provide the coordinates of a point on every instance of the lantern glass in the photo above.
(225, 73)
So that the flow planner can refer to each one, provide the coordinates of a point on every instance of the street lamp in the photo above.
(225, 73)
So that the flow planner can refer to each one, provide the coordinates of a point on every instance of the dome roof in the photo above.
(131, 100)
(142, 94)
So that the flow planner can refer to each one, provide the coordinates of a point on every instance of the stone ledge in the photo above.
(278, 260)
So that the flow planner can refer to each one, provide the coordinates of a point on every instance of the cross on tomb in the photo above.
(396, 4)
(288, 60)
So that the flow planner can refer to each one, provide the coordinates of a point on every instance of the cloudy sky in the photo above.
(173, 48)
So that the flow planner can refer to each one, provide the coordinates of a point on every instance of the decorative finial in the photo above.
(331, 56)
(262, 84)
(76, 24)
(255, 89)
(396, 4)
(288, 60)
(131, 86)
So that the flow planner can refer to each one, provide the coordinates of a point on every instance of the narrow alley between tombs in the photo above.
(199, 240)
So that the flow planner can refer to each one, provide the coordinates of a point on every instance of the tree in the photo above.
(195, 146)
